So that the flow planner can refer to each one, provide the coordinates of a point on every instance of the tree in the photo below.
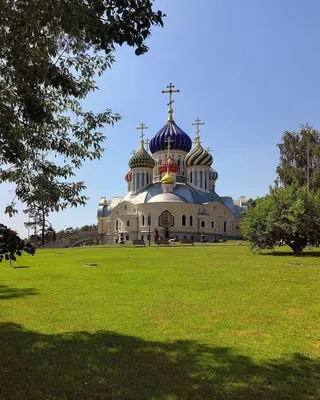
(11, 244)
(50, 55)
(295, 149)
(285, 214)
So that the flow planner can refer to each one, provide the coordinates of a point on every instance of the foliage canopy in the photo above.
(50, 55)
(285, 214)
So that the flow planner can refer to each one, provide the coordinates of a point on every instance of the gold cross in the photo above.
(142, 127)
(170, 91)
(147, 141)
(133, 152)
(209, 150)
(197, 123)
(169, 140)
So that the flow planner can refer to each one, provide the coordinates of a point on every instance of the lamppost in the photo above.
(149, 224)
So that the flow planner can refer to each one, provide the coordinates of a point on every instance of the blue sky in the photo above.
(248, 69)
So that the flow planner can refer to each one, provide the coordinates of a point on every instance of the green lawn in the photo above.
(203, 322)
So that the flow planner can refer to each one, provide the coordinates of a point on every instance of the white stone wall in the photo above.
(194, 178)
(131, 221)
(141, 177)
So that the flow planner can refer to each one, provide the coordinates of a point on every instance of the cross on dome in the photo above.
(147, 141)
(197, 123)
(142, 127)
(209, 150)
(133, 152)
(169, 141)
(170, 91)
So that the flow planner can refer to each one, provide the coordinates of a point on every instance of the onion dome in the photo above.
(167, 179)
(213, 175)
(180, 140)
(198, 156)
(169, 165)
(128, 176)
(141, 159)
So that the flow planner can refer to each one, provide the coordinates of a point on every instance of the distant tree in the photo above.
(295, 149)
(285, 214)
(46, 195)
(50, 55)
(251, 203)
(86, 228)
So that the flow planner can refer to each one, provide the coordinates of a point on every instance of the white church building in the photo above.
(171, 192)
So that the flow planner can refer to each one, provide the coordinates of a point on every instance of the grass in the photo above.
(203, 322)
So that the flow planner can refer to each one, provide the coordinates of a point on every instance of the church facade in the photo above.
(171, 192)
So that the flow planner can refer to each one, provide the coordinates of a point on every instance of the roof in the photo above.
(182, 192)
(166, 198)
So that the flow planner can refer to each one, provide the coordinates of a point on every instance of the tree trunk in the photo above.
(297, 246)
(43, 227)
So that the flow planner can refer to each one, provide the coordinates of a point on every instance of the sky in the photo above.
(248, 69)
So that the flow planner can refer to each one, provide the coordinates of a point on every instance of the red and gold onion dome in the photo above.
(128, 176)
(169, 165)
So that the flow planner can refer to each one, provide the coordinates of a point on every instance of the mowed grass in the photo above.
(203, 322)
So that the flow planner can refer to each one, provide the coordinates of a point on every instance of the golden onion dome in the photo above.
(167, 179)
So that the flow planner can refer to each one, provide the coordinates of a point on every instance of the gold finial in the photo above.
(197, 140)
(147, 141)
(142, 127)
(209, 150)
(170, 91)
(169, 140)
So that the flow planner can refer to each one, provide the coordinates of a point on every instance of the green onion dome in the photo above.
(198, 156)
(141, 159)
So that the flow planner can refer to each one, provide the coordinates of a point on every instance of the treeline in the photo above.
(51, 235)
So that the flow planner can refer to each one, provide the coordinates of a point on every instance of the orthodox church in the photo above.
(171, 192)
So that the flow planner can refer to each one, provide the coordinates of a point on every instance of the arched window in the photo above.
(191, 220)
(225, 226)
(196, 178)
(179, 166)
(149, 219)
(142, 220)
(147, 179)
(203, 224)
(117, 225)
(205, 180)
(191, 177)
(201, 179)
(137, 181)
(184, 219)
(212, 224)
(128, 223)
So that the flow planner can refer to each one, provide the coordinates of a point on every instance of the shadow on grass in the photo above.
(21, 266)
(106, 365)
(291, 254)
(7, 292)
